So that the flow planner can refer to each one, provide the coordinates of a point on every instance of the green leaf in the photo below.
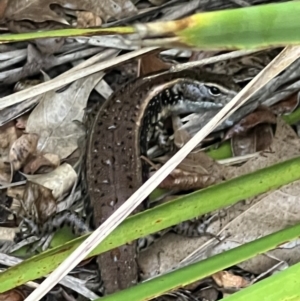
(158, 218)
(187, 275)
(250, 27)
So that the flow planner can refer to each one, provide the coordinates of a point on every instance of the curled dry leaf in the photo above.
(286, 106)
(59, 181)
(151, 63)
(250, 121)
(54, 117)
(42, 163)
(87, 19)
(8, 135)
(39, 201)
(264, 136)
(229, 280)
(21, 149)
(254, 140)
(285, 145)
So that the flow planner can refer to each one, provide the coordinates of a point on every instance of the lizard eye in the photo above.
(214, 91)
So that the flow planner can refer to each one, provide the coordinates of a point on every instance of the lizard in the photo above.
(120, 135)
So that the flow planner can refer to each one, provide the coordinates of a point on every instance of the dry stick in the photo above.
(69, 78)
(75, 74)
(284, 59)
(103, 55)
(215, 59)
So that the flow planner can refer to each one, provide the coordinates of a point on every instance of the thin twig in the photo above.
(214, 59)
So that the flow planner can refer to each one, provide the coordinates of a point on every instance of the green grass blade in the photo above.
(72, 32)
(250, 27)
(158, 218)
(255, 26)
(187, 275)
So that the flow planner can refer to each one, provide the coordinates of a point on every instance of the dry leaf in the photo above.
(21, 149)
(42, 163)
(59, 181)
(263, 215)
(228, 280)
(53, 119)
(285, 145)
(8, 135)
(254, 140)
(40, 11)
(286, 106)
(243, 144)
(264, 136)
(39, 201)
(250, 121)
(150, 63)
(87, 19)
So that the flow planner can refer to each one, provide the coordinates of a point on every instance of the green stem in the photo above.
(187, 275)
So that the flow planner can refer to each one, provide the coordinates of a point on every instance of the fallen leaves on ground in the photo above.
(243, 222)
(55, 118)
(40, 10)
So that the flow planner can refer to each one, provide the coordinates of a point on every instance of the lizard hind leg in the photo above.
(195, 227)
(145, 242)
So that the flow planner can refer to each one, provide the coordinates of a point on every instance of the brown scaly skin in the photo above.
(118, 138)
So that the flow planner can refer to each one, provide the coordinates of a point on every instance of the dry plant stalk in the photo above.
(280, 63)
